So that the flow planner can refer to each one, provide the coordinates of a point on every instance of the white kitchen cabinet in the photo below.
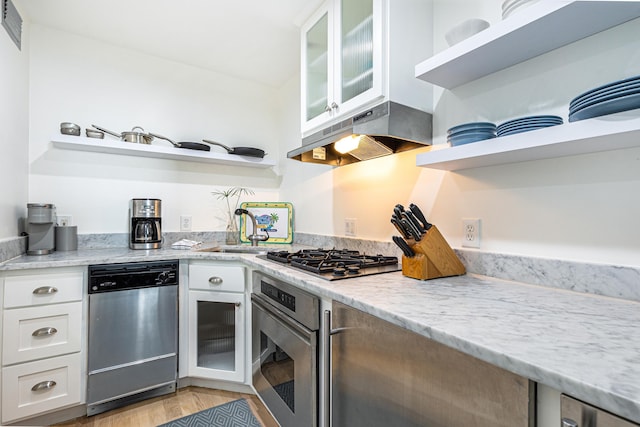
(32, 333)
(42, 346)
(36, 387)
(217, 322)
(357, 53)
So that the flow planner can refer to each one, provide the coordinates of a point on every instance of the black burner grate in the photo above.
(336, 262)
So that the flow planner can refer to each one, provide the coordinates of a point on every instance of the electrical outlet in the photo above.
(185, 222)
(64, 220)
(350, 227)
(471, 232)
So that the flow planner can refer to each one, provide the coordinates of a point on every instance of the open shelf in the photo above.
(612, 132)
(543, 27)
(80, 143)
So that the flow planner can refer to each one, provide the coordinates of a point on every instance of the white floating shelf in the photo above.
(80, 143)
(604, 133)
(541, 28)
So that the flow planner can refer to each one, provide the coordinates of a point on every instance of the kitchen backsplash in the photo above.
(599, 279)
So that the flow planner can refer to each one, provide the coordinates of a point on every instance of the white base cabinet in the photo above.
(43, 356)
(217, 322)
(36, 387)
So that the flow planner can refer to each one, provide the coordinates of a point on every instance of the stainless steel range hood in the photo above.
(384, 129)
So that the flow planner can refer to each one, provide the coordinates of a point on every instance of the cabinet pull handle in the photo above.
(44, 385)
(237, 304)
(44, 290)
(42, 332)
(215, 280)
(568, 422)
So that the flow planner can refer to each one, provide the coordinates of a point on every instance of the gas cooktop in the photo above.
(335, 264)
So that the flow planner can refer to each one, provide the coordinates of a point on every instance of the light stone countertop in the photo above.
(581, 344)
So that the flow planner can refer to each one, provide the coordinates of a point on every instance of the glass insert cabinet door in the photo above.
(217, 335)
(341, 59)
(356, 36)
(317, 68)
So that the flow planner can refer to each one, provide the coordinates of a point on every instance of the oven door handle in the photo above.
(280, 316)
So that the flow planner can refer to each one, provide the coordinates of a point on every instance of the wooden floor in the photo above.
(159, 410)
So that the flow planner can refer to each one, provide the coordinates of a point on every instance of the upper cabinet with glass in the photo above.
(358, 53)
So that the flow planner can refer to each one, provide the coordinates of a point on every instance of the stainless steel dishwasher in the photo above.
(133, 333)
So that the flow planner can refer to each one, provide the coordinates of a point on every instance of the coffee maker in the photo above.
(41, 218)
(145, 224)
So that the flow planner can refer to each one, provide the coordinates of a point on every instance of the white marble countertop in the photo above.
(580, 344)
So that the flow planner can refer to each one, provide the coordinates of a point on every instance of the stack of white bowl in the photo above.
(511, 6)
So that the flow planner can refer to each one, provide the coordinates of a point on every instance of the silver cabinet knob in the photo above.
(44, 385)
(334, 106)
(44, 290)
(327, 109)
(43, 332)
(568, 422)
(215, 280)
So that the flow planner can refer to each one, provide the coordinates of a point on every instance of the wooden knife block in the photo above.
(433, 258)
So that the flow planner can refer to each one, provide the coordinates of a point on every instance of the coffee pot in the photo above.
(145, 224)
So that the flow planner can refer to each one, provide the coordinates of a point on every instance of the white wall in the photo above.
(308, 186)
(574, 208)
(84, 81)
(14, 132)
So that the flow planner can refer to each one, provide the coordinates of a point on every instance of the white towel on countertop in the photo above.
(185, 244)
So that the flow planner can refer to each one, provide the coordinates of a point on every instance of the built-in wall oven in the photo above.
(285, 350)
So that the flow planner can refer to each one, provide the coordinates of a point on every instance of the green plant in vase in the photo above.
(232, 198)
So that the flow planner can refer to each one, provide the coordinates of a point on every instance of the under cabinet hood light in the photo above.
(347, 144)
(382, 130)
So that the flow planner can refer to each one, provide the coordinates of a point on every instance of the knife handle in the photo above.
(413, 231)
(404, 246)
(415, 221)
(418, 213)
(400, 228)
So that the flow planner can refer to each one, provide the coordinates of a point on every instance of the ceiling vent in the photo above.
(12, 22)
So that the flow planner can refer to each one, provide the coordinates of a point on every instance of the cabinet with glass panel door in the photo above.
(217, 322)
(347, 61)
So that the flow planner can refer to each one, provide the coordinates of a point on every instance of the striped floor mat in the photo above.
(231, 414)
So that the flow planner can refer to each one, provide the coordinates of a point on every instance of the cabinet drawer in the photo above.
(52, 287)
(37, 332)
(216, 277)
(32, 388)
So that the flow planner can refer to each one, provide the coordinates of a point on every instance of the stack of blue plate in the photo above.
(526, 124)
(611, 98)
(470, 132)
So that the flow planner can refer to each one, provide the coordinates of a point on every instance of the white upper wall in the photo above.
(84, 81)
(14, 132)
